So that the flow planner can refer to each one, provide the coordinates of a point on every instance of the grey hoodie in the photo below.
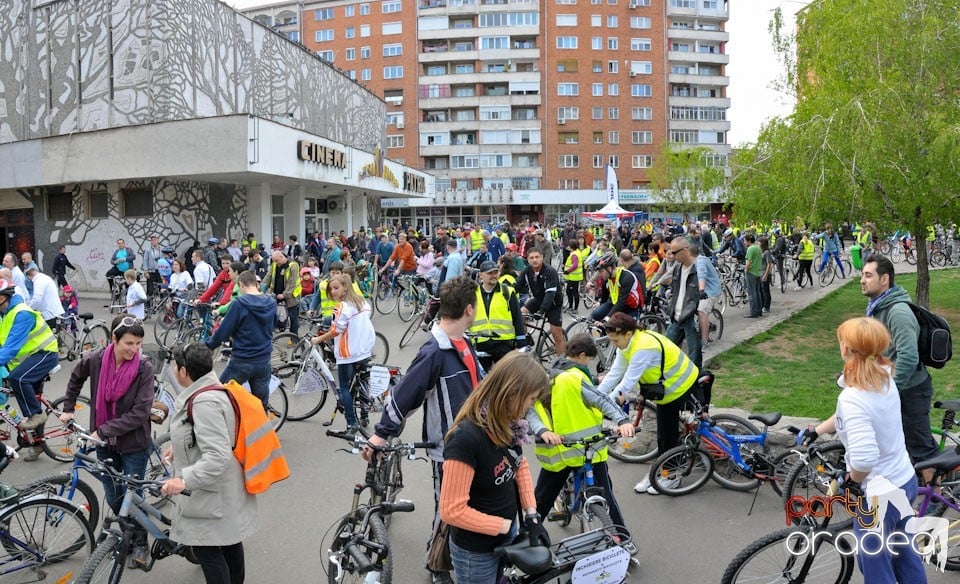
(892, 311)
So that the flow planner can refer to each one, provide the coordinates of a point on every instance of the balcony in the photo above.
(721, 36)
(698, 10)
(448, 56)
(707, 126)
(673, 100)
(693, 56)
(693, 79)
(448, 33)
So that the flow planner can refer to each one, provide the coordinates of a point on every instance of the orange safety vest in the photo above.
(256, 445)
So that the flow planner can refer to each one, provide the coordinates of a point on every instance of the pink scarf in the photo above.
(113, 383)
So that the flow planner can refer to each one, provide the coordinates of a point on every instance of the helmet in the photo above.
(606, 262)
(167, 249)
(213, 240)
(7, 288)
(728, 233)
(68, 288)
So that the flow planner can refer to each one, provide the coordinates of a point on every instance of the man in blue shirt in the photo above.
(494, 245)
(384, 251)
(453, 264)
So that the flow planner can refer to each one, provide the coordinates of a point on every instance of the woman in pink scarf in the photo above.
(121, 393)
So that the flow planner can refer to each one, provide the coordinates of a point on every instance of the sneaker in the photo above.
(643, 486)
(30, 454)
(440, 578)
(668, 483)
(797, 288)
(35, 421)
(704, 345)
(139, 557)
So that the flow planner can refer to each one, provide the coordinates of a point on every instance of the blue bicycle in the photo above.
(737, 460)
(581, 497)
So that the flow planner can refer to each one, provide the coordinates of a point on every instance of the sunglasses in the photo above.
(130, 321)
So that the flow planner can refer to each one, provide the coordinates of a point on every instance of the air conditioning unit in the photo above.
(336, 204)
(399, 125)
(632, 6)
(633, 74)
(562, 122)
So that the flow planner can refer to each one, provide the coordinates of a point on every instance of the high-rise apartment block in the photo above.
(518, 106)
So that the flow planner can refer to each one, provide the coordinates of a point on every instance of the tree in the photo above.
(876, 131)
(684, 178)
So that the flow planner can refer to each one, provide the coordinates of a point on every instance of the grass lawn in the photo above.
(792, 368)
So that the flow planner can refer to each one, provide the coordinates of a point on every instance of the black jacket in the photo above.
(60, 265)
(543, 289)
(690, 300)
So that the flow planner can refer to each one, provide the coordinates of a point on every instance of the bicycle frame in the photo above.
(722, 445)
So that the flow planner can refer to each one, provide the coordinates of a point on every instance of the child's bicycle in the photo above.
(594, 556)
(580, 497)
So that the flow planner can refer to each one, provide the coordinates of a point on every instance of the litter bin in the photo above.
(855, 258)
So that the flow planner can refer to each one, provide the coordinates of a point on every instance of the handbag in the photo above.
(438, 558)
(655, 391)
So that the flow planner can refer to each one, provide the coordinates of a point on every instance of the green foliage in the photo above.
(683, 179)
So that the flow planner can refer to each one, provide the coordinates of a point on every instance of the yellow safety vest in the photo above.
(856, 232)
(504, 239)
(572, 419)
(40, 338)
(476, 238)
(499, 321)
(327, 304)
(294, 272)
(806, 252)
(252, 244)
(575, 275)
(679, 372)
(584, 254)
(614, 284)
(508, 279)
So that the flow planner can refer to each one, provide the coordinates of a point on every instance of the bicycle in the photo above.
(939, 498)
(811, 476)
(577, 554)
(369, 388)
(108, 560)
(38, 531)
(386, 289)
(310, 382)
(92, 336)
(427, 316)
(412, 296)
(118, 295)
(580, 497)
(949, 422)
(540, 337)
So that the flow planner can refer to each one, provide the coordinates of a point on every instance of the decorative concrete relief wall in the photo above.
(171, 60)
(184, 212)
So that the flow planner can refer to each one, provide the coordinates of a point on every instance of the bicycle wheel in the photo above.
(66, 343)
(716, 326)
(561, 506)
(938, 259)
(408, 303)
(595, 516)
(412, 329)
(60, 485)
(827, 274)
(953, 544)
(783, 557)
(277, 404)
(285, 349)
(681, 470)
(847, 268)
(910, 256)
(307, 389)
(546, 348)
(651, 322)
(587, 297)
(44, 531)
(59, 442)
(380, 556)
(642, 447)
(732, 297)
(386, 299)
(98, 337)
(726, 472)
(783, 463)
(381, 350)
(106, 563)
(722, 302)
(812, 478)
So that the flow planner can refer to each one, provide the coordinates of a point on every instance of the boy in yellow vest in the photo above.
(574, 410)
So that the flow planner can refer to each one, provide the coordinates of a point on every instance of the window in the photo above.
(615, 160)
(352, 74)
(568, 138)
(498, 42)
(326, 56)
(393, 72)
(390, 6)
(349, 11)
(323, 14)
(598, 184)
(324, 35)
(389, 28)
(364, 30)
(567, 65)
(639, 22)
(612, 21)
(364, 52)
(436, 69)
(613, 137)
(566, 42)
(568, 113)
(596, 43)
(596, 90)
(613, 43)
(97, 204)
(641, 45)
(568, 161)
(350, 32)
(596, 20)
(494, 112)
(464, 68)
(597, 113)
(641, 67)
(642, 161)
(364, 9)
(136, 202)
(568, 89)
(465, 161)
(351, 54)
(569, 184)
(394, 141)
(641, 90)
(59, 204)
(463, 92)
(613, 66)
(613, 89)
(293, 35)
(598, 160)
(641, 137)
(566, 20)
(598, 137)
(394, 50)
(364, 74)
(642, 113)
(683, 3)
(613, 113)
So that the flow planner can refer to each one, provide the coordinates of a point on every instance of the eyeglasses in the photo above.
(681, 249)
(129, 321)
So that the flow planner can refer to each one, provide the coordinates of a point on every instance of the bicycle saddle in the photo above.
(530, 560)
(766, 419)
(85, 315)
(948, 404)
(945, 461)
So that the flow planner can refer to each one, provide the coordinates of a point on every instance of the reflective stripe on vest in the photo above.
(286, 277)
(327, 304)
(577, 274)
(679, 372)
(40, 338)
(508, 279)
(615, 288)
(572, 419)
(499, 321)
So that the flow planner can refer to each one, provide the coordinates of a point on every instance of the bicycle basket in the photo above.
(592, 543)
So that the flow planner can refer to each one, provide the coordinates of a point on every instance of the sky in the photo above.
(752, 70)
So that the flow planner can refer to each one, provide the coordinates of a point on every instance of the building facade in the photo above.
(517, 106)
(182, 118)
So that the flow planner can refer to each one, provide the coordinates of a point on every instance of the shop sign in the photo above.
(414, 183)
(325, 155)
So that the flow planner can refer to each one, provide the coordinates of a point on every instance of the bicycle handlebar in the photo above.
(100, 467)
(359, 440)
(83, 434)
(363, 563)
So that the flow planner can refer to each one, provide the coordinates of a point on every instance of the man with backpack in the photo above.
(891, 305)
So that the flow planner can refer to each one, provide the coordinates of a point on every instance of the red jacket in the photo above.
(221, 282)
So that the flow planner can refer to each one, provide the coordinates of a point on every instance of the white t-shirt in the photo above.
(180, 281)
(203, 274)
(135, 293)
(870, 428)
(355, 333)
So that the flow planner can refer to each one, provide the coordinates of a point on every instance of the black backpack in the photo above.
(935, 346)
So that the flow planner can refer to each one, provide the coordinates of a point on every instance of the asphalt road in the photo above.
(680, 539)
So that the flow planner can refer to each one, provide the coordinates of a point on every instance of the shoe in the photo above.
(752, 316)
(797, 288)
(35, 421)
(765, 311)
(704, 345)
(441, 578)
(139, 557)
(643, 486)
(668, 483)
(30, 454)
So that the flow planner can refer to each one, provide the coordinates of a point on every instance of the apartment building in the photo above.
(518, 106)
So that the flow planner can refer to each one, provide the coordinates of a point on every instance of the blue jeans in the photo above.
(258, 374)
(131, 463)
(28, 376)
(345, 372)
(293, 313)
(877, 564)
(690, 330)
(477, 567)
(826, 258)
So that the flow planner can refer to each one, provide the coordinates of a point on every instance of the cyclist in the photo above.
(150, 266)
(498, 313)
(708, 284)
(573, 274)
(541, 281)
(351, 322)
(165, 264)
(685, 300)
(733, 243)
(830, 243)
(248, 324)
(222, 287)
(45, 299)
(574, 409)
(203, 273)
(121, 261)
(283, 280)
(805, 256)
(136, 296)
(623, 288)
(403, 257)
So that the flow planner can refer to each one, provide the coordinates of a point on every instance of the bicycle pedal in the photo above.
(558, 516)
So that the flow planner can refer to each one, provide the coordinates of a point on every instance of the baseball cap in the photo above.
(488, 266)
